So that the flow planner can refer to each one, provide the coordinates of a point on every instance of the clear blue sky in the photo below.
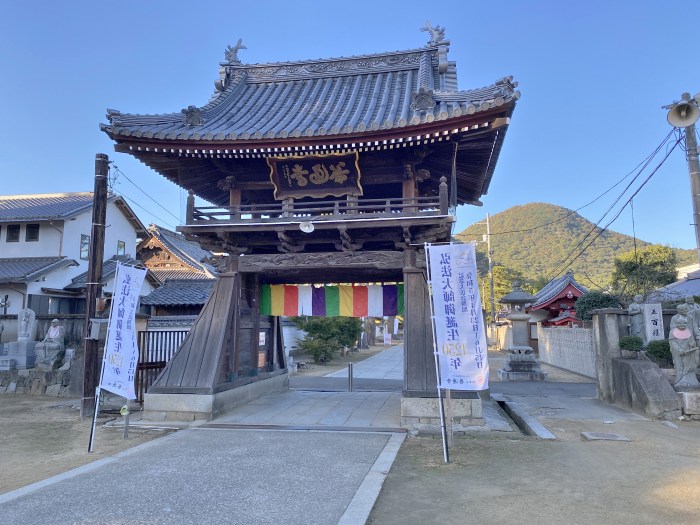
(593, 77)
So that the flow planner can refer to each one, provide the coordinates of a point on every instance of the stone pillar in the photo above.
(609, 324)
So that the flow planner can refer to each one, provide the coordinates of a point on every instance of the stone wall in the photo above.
(572, 349)
(57, 383)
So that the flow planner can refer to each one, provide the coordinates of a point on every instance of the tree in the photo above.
(326, 335)
(644, 270)
(592, 301)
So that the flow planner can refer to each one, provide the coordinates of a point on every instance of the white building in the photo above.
(44, 241)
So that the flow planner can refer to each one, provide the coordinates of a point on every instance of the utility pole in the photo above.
(493, 301)
(94, 283)
(684, 114)
(691, 146)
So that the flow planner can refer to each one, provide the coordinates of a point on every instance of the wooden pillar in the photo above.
(409, 192)
(189, 213)
(444, 198)
(419, 364)
(91, 367)
(234, 198)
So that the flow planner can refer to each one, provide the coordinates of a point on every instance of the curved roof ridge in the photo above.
(383, 54)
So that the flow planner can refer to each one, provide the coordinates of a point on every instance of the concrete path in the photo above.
(200, 476)
(385, 365)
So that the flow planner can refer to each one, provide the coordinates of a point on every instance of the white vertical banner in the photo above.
(460, 338)
(653, 321)
(121, 353)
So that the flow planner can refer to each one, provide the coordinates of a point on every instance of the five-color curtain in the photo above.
(331, 301)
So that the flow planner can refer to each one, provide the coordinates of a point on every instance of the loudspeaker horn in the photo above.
(683, 114)
(306, 226)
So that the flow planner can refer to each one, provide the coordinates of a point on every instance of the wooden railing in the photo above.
(156, 348)
(289, 209)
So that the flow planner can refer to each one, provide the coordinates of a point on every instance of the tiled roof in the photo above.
(554, 287)
(165, 274)
(338, 96)
(43, 207)
(180, 292)
(677, 291)
(18, 270)
(109, 267)
(57, 206)
(188, 252)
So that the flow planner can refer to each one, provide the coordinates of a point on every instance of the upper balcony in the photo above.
(348, 224)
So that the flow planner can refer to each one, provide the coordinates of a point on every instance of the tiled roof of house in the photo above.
(688, 286)
(554, 287)
(324, 97)
(188, 252)
(189, 292)
(22, 270)
(109, 267)
(165, 274)
(57, 206)
(43, 207)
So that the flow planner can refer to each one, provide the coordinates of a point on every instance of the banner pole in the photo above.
(98, 390)
(441, 406)
(94, 418)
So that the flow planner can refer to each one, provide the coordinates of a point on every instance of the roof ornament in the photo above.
(227, 184)
(192, 116)
(437, 33)
(231, 53)
(423, 100)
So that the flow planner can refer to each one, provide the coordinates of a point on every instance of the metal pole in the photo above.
(691, 146)
(349, 377)
(492, 297)
(441, 405)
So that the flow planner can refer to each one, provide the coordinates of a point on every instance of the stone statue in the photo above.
(25, 326)
(636, 324)
(693, 316)
(50, 350)
(684, 350)
(682, 310)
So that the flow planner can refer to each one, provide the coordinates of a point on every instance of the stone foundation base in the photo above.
(691, 403)
(422, 414)
(194, 407)
(521, 367)
(505, 375)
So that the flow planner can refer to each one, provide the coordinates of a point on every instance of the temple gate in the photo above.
(320, 171)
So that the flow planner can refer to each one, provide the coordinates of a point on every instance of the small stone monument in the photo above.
(521, 363)
(684, 350)
(20, 354)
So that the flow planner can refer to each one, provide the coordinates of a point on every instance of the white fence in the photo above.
(572, 349)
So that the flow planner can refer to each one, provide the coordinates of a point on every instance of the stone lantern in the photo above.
(521, 363)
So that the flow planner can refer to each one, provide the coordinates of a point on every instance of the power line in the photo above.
(644, 162)
(565, 264)
(132, 201)
(120, 172)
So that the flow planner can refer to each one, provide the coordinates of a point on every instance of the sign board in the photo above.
(334, 174)
(653, 322)
(121, 353)
(460, 338)
(387, 338)
(261, 338)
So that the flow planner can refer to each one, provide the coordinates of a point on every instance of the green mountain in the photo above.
(540, 241)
